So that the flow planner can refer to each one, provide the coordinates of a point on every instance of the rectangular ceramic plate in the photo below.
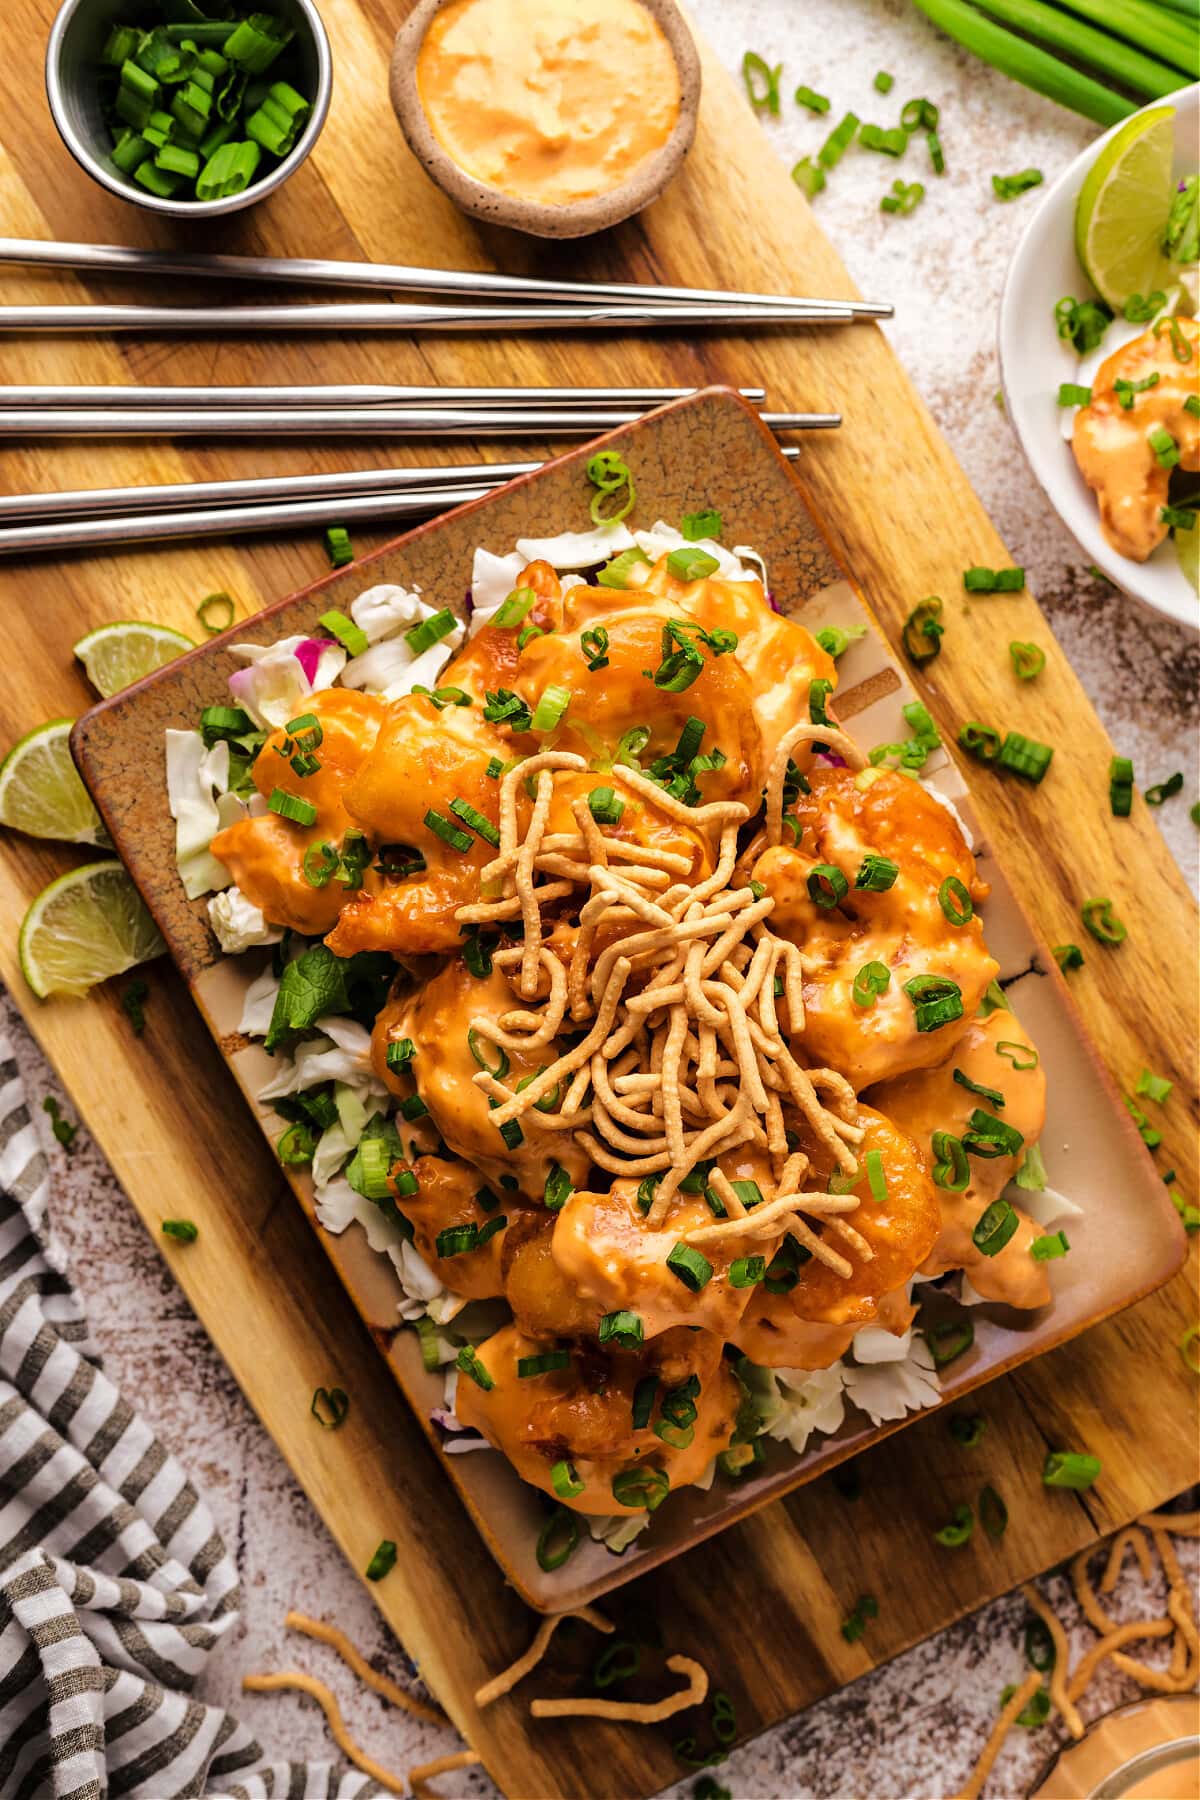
(710, 450)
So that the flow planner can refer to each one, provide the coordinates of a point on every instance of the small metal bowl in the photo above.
(73, 90)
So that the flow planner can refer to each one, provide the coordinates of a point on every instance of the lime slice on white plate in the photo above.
(1123, 206)
(41, 793)
(84, 927)
(115, 656)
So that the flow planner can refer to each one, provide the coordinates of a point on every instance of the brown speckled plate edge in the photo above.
(710, 449)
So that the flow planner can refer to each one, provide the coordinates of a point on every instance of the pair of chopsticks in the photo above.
(124, 412)
(92, 517)
(497, 302)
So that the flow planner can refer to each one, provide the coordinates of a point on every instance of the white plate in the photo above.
(1034, 360)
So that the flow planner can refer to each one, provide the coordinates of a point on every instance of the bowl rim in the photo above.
(575, 218)
(1118, 569)
(188, 209)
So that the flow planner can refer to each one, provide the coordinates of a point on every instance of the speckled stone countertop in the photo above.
(914, 1727)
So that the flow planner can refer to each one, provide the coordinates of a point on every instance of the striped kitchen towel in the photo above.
(114, 1585)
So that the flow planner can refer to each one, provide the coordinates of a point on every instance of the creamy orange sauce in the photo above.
(551, 101)
(1111, 443)
(1118, 1739)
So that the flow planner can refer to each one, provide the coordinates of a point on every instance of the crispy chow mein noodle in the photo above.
(633, 1712)
(294, 1680)
(354, 1659)
(1070, 1685)
(517, 1671)
(441, 1765)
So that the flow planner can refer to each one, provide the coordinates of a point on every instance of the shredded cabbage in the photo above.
(196, 777)
(577, 549)
(274, 687)
(888, 1390)
(663, 538)
(239, 924)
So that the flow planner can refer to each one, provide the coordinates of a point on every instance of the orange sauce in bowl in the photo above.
(550, 101)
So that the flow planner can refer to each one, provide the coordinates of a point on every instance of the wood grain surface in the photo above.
(170, 1119)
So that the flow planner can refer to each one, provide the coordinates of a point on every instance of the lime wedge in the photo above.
(1187, 551)
(1123, 206)
(117, 655)
(41, 793)
(84, 927)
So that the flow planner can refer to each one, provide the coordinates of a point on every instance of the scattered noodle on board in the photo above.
(441, 1765)
(632, 1711)
(517, 1671)
(337, 1640)
(308, 1684)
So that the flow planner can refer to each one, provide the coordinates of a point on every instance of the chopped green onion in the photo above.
(819, 691)
(937, 155)
(691, 1266)
(609, 474)
(936, 1001)
(1192, 405)
(512, 610)
(455, 1240)
(876, 873)
(979, 740)
(1070, 1469)
(618, 1663)
(993, 1514)
(1120, 787)
(594, 644)
(1071, 393)
(1188, 1349)
(1009, 187)
(1068, 956)
(1031, 1176)
(133, 1005)
(624, 1329)
(469, 1364)
(762, 83)
(1103, 923)
(919, 115)
(337, 543)
(182, 1230)
(922, 631)
(884, 83)
(817, 103)
(470, 815)
(255, 42)
(384, 1559)
(888, 143)
(352, 637)
(951, 1170)
(992, 1095)
(967, 1429)
(1181, 349)
(215, 612)
(979, 580)
(1179, 518)
(449, 832)
(428, 632)
(329, 1407)
(1039, 1646)
(1126, 391)
(1163, 790)
(1154, 1087)
(955, 901)
(565, 1480)
(904, 198)
(747, 1271)
(1025, 756)
(412, 1108)
(641, 1486)
(837, 639)
(692, 565)
(400, 1053)
(605, 806)
(837, 143)
(1028, 660)
(550, 708)
(1084, 323)
(704, 524)
(1014, 1052)
(557, 1539)
(558, 1188)
(808, 177)
(1139, 310)
(614, 573)
(1047, 1249)
(994, 1227)
(876, 1178)
(865, 1607)
(291, 806)
(1166, 450)
(872, 979)
(991, 1137)
(959, 1531)
(827, 886)
(949, 1339)
(503, 707)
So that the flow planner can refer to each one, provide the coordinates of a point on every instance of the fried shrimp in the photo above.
(581, 1415)
(883, 821)
(1137, 412)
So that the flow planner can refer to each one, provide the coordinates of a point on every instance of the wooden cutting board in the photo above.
(168, 1117)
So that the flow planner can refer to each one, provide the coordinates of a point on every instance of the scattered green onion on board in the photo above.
(383, 1561)
(1120, 787)
(1102, 922)
(182, 1230)
(330, 1407)
(1164, 790)
(337, 543)
(1028, 660)
(1070, 1469)
(1068, 956)
(923, 631)
(980, 580)
(959, 1531)
(215, 613)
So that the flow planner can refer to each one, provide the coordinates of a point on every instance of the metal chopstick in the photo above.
(279, 502)
(354, 394)
(248, 320)
(311, 271)
(364, 421)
